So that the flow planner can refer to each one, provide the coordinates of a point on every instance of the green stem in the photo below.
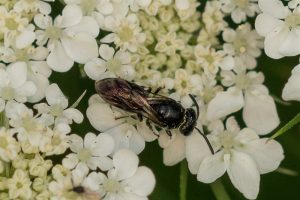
(287, 126)
(219, 190)
(3, 120)
(183, 180)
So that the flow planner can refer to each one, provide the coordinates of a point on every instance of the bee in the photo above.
(85, 193)
(164, 112)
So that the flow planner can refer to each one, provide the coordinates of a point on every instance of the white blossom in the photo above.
(125, 181)
(240, 153)
(90, 153)
(291, 90)
(280, 27)
(71, 37)
(245, 91)
(33, 6)
(111, 64)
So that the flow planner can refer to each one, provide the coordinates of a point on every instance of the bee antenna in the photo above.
(196, 104)
(206, 139)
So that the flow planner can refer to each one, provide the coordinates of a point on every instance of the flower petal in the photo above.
(142, 182)
(265, 23)
(225, 103)
(70, 161)
(73, 114)
(105, 145)
(274, 8)
(58, 60)
(106, 52)
(76, 143)
(17, 73)
(81, 47)
(267, 154)
(244, 174)
(175, 151)
(211, 168)
(260, 112)
(55, 96)
(291, 45)
(87, 25)
(196, 151)
(125, 163)
(25, 39)
(95, 69)
(71, 15)
(291, 90)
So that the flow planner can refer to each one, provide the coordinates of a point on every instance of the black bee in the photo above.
(164, 112)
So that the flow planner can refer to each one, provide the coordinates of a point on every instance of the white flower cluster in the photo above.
(35, 115)
(173, 46)
(280, 25)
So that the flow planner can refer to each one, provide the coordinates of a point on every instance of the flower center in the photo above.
(19, 185)
(88, 6)
(53, 32)
(111, 185)
(7, 93)
(242, 81)
(11, 24)
(240, 46)
(227, 140)
(114, 65)
(56, 110)
(126, 33)
(56, 140)
(84, 154)
(3, 142)
(293, 21)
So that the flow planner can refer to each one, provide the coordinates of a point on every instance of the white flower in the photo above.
(111, 64)
(291, 90)
(15, 29)
(91, 153)
(27, 127)
(58, 107)
(169, 43)
(125, 181)
(14, 84)
(280, 27)
(127, 33)
(213, 17)
(245, 91)
(9, 147)
(33, 6)
(240, 153)
(135, 5)
(71, 37)
(243, 44)
(240, 9)
(19, 185)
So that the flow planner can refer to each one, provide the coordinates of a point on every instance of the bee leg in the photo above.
(140, 117)
(148, 123)
(125, 116)
(169, 133)
(157, 90)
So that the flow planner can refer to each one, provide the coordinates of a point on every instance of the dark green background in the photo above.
(272, 186)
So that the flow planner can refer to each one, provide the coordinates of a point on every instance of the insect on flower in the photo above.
(85, 193)
(164, 112)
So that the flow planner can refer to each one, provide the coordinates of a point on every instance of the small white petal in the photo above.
(274, 40)
(55, 96)
(106, 52)
(211, 168)
(175, 151)
(105, 145)
(196, 151)
(105, 163)
(182, 4)
(25, 39)
(76, 143)
(86, 25)
(125, 163)
(71, 15)
(41, 83)
(291, 44)
(95, 69)
(291, 90)
(81, 47)
(244, 174)
(225, 103)
(70, 161)
(101, 116)
(260, 112)
(274, 8)
(142, 182)
(73, 114)
(58, 59)
(267, 154)
(17, 73)
(265, 23)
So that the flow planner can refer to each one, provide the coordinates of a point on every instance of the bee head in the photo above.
(189, 123)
